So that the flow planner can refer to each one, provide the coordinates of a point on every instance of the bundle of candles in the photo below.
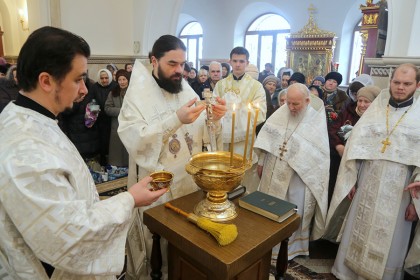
(257, 109)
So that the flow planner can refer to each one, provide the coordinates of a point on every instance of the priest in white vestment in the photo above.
(241, 89)
(381, 157)
(161, 128)
(50, 210)
(294, 164)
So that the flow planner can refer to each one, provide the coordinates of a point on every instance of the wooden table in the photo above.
(195, 254)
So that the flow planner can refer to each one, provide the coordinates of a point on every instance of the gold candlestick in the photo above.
(233, 135)
(257, 110)
(247, 132)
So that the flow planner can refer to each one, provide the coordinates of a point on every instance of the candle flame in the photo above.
(249, 106)
(234, 107)
(258, 105)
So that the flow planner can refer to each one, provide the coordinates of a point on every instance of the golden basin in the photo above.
(217, 174)
(161, 179)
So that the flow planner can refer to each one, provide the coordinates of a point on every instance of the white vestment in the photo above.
(375, 234)
(301, 174)
(156, 140)
(246, 90)
(49, 206)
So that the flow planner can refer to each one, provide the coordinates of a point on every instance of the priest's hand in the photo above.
(352, 193)
(189, 113)
(414, 189)
(260, 170)
(219, 109)
(410, 213)
(142, 194)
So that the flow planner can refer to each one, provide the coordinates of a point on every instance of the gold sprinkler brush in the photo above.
(224, 233)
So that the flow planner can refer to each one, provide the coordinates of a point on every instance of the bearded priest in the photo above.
(294, 163)
(381, 157)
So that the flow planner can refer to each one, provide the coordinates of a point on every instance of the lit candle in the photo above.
(233, 134)
(257, 110)
(247, 132)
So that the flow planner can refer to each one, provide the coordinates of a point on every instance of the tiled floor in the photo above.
(322, 256)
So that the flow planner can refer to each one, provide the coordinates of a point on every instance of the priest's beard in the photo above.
(298, 115)
(170, 84)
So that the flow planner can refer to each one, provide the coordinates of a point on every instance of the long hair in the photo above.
(165, 44)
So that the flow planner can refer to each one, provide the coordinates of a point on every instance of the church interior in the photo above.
(313, 37)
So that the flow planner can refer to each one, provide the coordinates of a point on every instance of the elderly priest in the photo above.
(294, 163)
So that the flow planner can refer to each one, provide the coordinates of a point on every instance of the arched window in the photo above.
(265, 40)
(192, 36)
(356, 52)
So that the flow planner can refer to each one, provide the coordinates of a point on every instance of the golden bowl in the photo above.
(161, 179)
(212, 171)
(217, 173)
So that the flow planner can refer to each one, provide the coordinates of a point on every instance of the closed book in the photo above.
(268, 206)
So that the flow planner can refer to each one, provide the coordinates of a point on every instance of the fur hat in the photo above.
(122, 72)
(369, 92)
(317, 89)
(334, 76)
(271, 78)
(298, 77)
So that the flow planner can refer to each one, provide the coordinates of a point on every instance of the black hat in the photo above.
(334, 76)
(298, 77)
(317, 89)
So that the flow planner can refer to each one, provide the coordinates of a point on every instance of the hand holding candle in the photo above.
(247, 133)
(233, 134)
(257, 110)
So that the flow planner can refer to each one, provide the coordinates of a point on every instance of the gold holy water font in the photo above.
(218, 173)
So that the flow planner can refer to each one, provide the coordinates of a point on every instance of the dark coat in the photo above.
(100, 93)
(347, 116)
(8, 92)
(85, 139)
(118, 154)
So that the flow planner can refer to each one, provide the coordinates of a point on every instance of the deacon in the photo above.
(161, 127)
(50, 212)
(294, 163)
(381, 157)
(241, 89)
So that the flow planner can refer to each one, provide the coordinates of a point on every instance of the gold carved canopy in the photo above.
(310, 51)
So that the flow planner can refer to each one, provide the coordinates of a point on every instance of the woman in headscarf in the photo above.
(118, 155)
(101, 90)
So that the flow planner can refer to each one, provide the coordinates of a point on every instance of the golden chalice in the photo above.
(161, 179)
(217, 174)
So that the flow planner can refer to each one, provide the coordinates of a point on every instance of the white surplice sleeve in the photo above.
(56, 212)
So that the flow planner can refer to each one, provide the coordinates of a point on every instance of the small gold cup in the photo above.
(161, 179)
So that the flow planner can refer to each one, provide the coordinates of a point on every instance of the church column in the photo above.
(402, 41)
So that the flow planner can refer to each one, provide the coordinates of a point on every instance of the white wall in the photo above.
(225, 22)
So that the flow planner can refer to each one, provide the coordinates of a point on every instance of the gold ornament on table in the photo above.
(218, 173)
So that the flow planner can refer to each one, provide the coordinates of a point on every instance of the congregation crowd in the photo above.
(347, 157)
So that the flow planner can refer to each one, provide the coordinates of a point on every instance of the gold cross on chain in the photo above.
(385, 143)
(282, 150)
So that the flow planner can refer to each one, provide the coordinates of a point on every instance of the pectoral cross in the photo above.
(282, 150)
(385, 143)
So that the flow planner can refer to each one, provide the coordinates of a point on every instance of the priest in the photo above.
(294, 163)
(241, 89)
(380, 159)
(161, 127)
(50, 212)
